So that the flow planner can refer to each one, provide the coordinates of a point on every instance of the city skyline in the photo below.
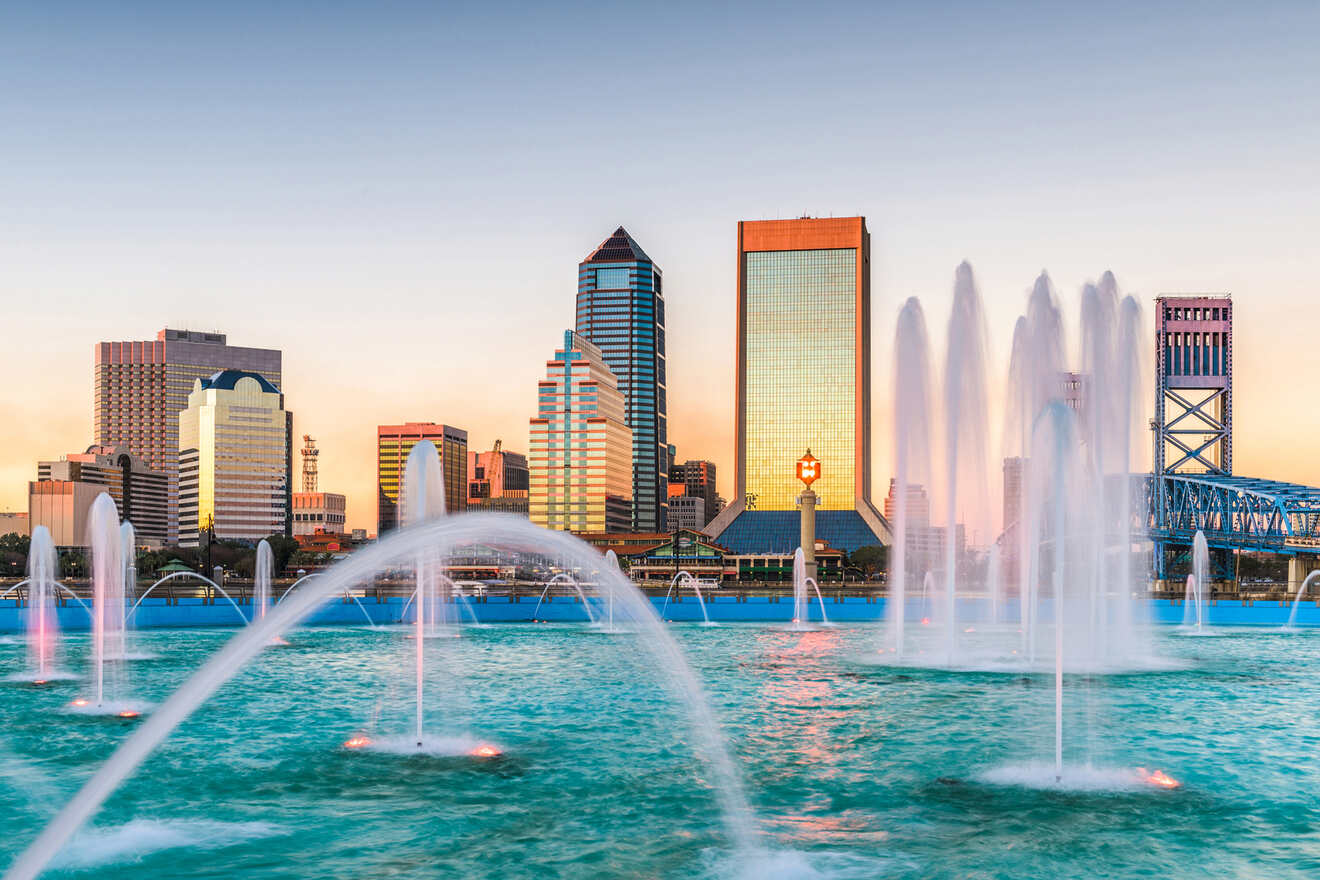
(1070, 140)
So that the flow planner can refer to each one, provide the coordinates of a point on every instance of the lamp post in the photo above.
(808, 471)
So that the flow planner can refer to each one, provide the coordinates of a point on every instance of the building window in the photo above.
(611, 279)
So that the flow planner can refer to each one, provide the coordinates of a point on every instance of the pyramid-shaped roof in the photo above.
(618, 248)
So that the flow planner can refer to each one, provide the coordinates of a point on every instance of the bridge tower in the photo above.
(1193, 424)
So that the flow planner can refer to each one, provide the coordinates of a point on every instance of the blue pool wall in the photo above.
(190, 612)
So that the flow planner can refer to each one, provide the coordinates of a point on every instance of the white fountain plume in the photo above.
(679, 580)
(423, 500)
(965, 429)
(611, 566)
(42, 623)
(1196, 609)
(1301, 591)
(107, 589)
(109, 609)
(261, 577)
(802, 587)
(912, 443)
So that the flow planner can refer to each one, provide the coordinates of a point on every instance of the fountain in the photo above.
(684, 578)
(1195, 605)
(42, 624)
(261, 576)
(109, 672)
(611, 566)
(911, 452)
(439, 537)
(802, 596)
(965, 430)
(1301, 591)
(563, 578)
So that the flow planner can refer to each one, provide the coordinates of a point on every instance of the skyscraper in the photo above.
(394, 442)
(803, 381)
(139, 389)
(580, 449)
(621, 310)
(235, 455)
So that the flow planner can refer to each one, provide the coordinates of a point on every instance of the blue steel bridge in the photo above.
(1234, 512)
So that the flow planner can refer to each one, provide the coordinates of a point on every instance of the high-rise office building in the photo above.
(394, 442)
(139, 389)
(235, 458)
(621, 310)
(62, 496)
(580, 449)
(803, 381)
(497, 481)
(698, 481)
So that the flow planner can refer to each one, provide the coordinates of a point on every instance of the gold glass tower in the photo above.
(803, 381)
(234, 457)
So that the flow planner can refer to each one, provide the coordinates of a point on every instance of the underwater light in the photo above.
(1158, 778)
(485, 750)
(79, 702)
(357, 742)
(128, 713)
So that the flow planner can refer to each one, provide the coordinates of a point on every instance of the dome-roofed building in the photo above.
(235, 457)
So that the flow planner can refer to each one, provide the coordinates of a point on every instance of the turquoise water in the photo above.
(855, 770)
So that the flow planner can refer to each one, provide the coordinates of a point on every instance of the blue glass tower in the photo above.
(621, 310)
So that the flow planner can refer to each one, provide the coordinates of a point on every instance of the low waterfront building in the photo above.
(659, 556)
(653, 556)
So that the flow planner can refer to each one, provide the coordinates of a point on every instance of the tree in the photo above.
(14, 553)
(871, 559)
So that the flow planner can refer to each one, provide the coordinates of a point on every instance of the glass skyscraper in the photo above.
(803, 382)
(621, 310)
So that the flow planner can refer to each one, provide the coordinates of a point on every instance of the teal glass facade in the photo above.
(621, 310)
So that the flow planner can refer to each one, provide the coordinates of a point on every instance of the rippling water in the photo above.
(855, 769)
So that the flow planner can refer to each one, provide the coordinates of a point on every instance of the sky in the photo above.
(397, 194)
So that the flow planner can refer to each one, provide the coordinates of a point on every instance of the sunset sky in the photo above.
(397, 194)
